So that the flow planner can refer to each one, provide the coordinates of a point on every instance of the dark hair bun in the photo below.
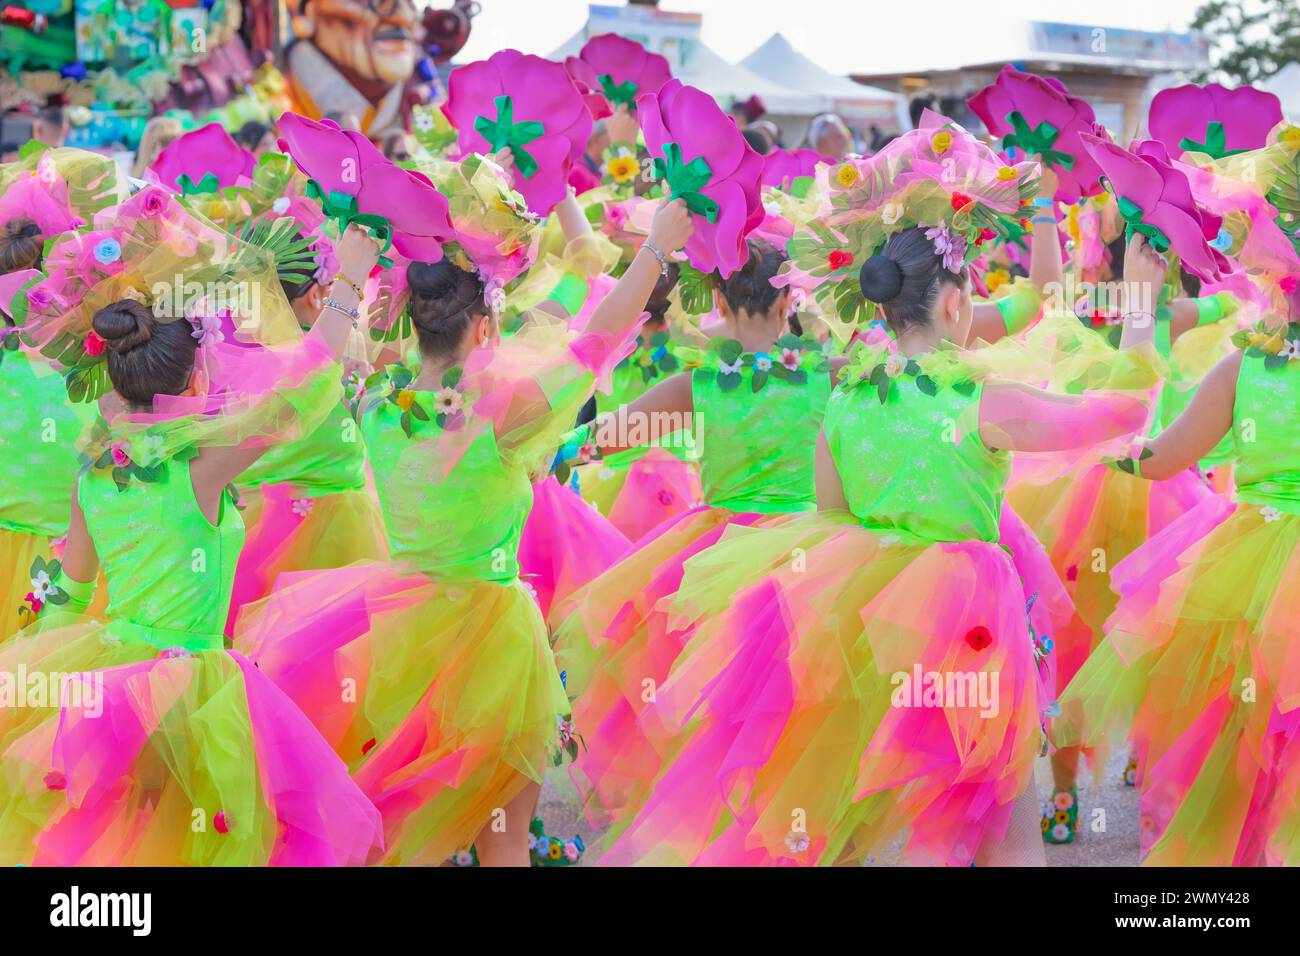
(881, 278)
(21, 228)
(444, 288)
(124, 325)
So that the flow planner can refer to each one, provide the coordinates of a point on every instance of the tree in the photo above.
(1250, 39)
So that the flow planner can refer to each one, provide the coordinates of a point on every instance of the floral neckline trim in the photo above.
(448, 406)
(653, 356)
(1278, 347)
(886, 370)
(44, 590)
(143, 458)
(790, 361)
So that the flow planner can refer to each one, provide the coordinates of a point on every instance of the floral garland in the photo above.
(794, 358)
(140, 459)
(44, 590)
(448, 400)
(885, 370)
(1278, 347)
(653, 357)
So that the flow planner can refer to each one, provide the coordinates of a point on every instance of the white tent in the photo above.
(780, 62)
(1285, 85)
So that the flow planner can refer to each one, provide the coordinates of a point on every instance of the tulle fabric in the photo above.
(286, 532)
(1088, 524)
(784, 746)
(441, 696)
(1201, 667)
(614, 635)
(167, 759)
(565, 544)
(640, 495)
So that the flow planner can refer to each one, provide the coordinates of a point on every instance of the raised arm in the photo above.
(1205, 421)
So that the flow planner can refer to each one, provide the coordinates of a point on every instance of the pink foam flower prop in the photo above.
(624, 70)
(703, 159)
(206, 160)
(355, 183)
(530, 105)
(1155, 200)
(584, 78)
(1038, 117)
(781, 166)
(1213, 120)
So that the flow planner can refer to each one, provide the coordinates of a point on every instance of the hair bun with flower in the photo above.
(938, 176)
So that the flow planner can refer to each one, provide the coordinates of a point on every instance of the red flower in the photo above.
(35, 602)
(222, 823)
(960, 201)
(366, 747)
(1026, 225)
(978, 637)
(94, 345)
(55, 780)
(985, 235)
(839, 259)
(1072, 573)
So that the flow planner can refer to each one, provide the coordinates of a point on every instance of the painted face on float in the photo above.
(373, 39)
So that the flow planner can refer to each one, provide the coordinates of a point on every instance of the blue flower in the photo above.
(762, 361)
(659, 353)
(1223, 241)
(107, 250)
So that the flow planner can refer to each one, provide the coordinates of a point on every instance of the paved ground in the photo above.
(1108, 838)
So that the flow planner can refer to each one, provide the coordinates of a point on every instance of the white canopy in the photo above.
(780, 62)
(1285, 85)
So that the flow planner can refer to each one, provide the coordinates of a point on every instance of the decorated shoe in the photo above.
(552, 851)
(1061, 817)
(1131, 771)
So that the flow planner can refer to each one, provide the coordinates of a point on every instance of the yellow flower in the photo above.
(644, 360)
(1267, 342)
(994, 279)
(1290, 137)
(1006, 173)
(623, 168)
(847, 176)
(405, 399)
(941, 141)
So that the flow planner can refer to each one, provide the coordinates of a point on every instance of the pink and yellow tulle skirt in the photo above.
(639, 493)
(1201, 670)
(165, 758)
(441, 696)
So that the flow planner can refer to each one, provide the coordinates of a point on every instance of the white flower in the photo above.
(281, 206)
(891, 212)
(447, 401)
(895, 365)
(730, 369)
(790, 358)
(496, 298)
(423, 122)
(463, 858)
(1291, 349)
(772, 209)
(41, 585)
(302, 506)
(1061, 831)
(797, 841)
(532, 591)
(1270, 513)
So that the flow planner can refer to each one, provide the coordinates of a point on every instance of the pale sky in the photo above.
(859, 36)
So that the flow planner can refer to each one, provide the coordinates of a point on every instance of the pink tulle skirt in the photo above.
(642, 495)
(565, 544)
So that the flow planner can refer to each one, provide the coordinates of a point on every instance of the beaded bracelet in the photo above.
(355, 288)
(663, 260)
(338, 306)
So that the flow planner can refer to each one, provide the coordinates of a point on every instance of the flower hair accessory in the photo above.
(1037, 116)
(528, 104)
(1211, 120)
(703, 160)
(937, 176)
(354, 183)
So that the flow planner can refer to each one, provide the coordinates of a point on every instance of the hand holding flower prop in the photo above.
(1155, 201)
(1039, 117)
(708, 165)
(354, 183)
(1212, 120)
(529, 105)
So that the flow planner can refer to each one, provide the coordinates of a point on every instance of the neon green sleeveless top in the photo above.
(459, 524)
(899, 466)
(1266, 429)
(328, 460)
(654, 360)
(169, 571)
(758, 417)
(38, 466)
